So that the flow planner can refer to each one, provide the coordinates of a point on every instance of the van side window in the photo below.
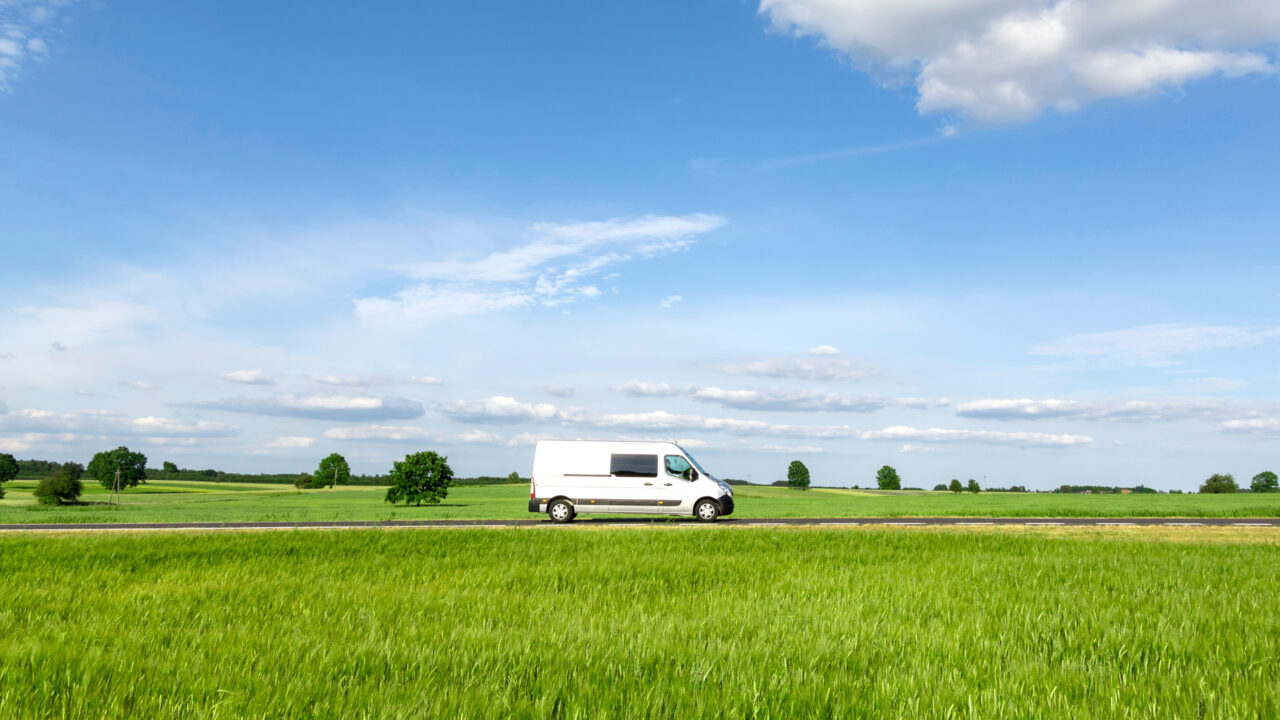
(633, 465)
(678, 466)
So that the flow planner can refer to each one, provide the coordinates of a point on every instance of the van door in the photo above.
(677, 478)
(638, 487)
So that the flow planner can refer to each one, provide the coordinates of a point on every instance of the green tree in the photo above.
(940, 487)
(1219, 483)
(169, 468)
(132, 467)
(62, 487)
(8, 470)
(303, 482)
(513, 478)
(1265, 481)
(420, 477)
(955, 486)
(887, 479)
(333, 470)
(797, 476)
(973, 486)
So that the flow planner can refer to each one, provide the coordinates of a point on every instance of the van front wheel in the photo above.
(561, 511)
(707, 511)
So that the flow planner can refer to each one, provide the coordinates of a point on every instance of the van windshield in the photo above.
(695, 462)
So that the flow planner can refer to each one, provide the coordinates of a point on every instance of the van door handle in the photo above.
(652, 483)
(667, 484)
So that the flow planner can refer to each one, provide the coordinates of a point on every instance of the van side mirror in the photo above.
(693, 474)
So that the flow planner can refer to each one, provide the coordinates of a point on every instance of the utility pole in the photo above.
(115, 488)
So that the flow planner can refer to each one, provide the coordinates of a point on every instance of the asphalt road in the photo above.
(643, 522)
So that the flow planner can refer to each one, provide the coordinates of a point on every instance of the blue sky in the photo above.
(1031, 241)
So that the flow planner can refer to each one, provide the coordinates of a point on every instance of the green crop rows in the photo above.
(666, 623)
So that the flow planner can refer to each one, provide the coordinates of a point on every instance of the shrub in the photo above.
(1265, 481)
(303, 482)
(62, 487)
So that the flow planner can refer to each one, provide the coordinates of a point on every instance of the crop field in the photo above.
(223, 502)
(647, 622)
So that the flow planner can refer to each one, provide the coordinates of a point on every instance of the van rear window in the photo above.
(633, 465)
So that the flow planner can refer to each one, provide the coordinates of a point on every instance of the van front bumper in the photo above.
(726, 504)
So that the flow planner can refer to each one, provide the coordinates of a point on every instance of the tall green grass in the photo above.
(548, 622)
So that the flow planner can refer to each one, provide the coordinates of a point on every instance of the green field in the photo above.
(645, 622)
(224, 502)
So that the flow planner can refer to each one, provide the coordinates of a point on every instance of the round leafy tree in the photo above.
(1265, 481)
(8, 470)
(333, 470)
(887, 479)
(62, 487)
(973, 486)
(420, 477)
(797, 475)
(132, 467)
(1219, 483)
(955, 486)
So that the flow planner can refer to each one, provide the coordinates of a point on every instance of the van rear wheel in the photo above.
(707, 511)
(561, 511)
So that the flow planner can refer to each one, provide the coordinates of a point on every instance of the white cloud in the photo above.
(805, 400)
(670, 301)
(351, 380)
(909, 448)
(1025, 439)
(140, 385)
(248, 377)
(1155, 345)
(21, 21)
(525, 438)
(292, 442)
(548, 269)
(498, 409)
(1131, 410)
(790, 449)
(40, 426)
(820, 363)
(408, 433)
(424, 380)
(636, 388)
(1009, 60)
(563, 391)
(326, 407)
(1262, 427)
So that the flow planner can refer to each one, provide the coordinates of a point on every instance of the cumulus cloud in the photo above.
(320, 407)
(351, 380)
(408, 433)
(1132, 410)
(806, 400)
(22, 23)
(43, 426)
(1155, 345)
(1009, 60)
(292, 442)
(636, 388)
(424, 380)
(526, 438)
(820, 363)
(549, 268)
(1022, 439)
(670, 301)
(248, 377)
(1262, 427)
(497, 409)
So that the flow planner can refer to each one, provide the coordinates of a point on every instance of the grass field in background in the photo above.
(225, 502)
(637, 623)
(197, 501)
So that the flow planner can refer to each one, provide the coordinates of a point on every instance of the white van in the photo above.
(574, 476)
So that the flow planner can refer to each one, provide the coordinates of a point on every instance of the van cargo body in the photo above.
(577, 476)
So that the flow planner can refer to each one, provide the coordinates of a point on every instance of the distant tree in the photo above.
(973, 486)
(169, 468)
(62, 487)
(8, 470)
(1219, 483)
(333, 470)
(1265, 481)
(303, 482)
(420, 477)
(940, 487)
(514, 477)
(887, 479)
(132, 467)
(955, 486)
(797, 475)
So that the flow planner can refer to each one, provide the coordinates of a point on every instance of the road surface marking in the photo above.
(975, 523)
(1046, 523)
(1183, 524)
(1252, 524)
(842, 522)
(904, 523)
(1115, 523)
